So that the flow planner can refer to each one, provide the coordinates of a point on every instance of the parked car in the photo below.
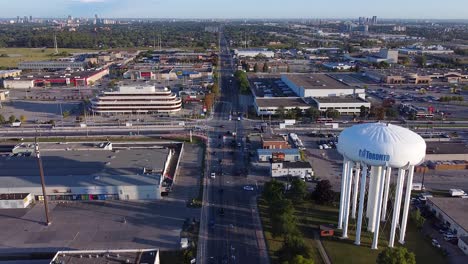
(435, 243)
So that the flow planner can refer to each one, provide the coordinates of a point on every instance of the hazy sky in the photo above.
(452, 9)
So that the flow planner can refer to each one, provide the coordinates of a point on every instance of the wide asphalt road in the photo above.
(230, 231)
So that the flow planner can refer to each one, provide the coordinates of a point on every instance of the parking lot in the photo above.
(428, 97)
(95, 225)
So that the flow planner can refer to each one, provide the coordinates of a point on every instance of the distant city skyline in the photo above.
(398, 9)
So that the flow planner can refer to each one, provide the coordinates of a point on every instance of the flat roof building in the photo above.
(451, 211)
(135, 256)
(319, 85)
(346, 105)
(136, 99)
(254, 52)
(274, 142)
(52, 65)
(87, 171)
(279, 155)
(9, 73)
(270, 106)
(294, 169)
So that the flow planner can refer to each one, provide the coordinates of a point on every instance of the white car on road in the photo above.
(248, 188)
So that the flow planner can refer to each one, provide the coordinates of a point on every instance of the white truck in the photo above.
(457, 192)
(16, 124)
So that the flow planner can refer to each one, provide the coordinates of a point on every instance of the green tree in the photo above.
(215, 88)
(283, 221)
(380, 113)
(421, 60)
(65, 114)
(298, 190)
(323, 193)
(256, 67)
(2, 119)
(312, 113)
(293, 246)
(363, 112)
(418, 219)
(273, 191)
(299, 259)
(383, 65)
(23, 118)
(291, 114)
(391, 112)
(12, 118)
(332, 113)
(280, 112)
(396, 255)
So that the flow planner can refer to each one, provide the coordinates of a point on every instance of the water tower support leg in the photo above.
(361, 204)
(409, 186)
(396, 207)
(342, 194)
(349, 179)
(375, 241)
(356, 189)
(385, 199)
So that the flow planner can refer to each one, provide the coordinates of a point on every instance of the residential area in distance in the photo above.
(232, 140)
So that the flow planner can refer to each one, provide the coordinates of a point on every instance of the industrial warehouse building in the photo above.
(87, 171)
(451, 211)
(320, 85)
(303, 91)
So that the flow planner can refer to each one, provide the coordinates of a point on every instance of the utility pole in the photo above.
(55, 44)
(41, 173)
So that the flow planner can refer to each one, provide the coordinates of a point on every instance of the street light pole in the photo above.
(41, 173)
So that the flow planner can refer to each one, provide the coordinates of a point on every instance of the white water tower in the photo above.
(375, 149)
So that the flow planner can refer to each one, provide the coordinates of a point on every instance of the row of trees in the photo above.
(172, 34)
(451, 98)
(283, 221)
(244, 84)
(312, 113)
(11, 119)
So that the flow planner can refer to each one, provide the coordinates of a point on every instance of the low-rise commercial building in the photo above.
(279, 155)
(253, 53)
(52, 65)
(4, 95)
(87, 171)
(274, 142)
(270, 106)
(9, 73)
(452, 212)
(136, 99)
(346, 105)
(64, 78)
(416, 76)
(319, 85)
(463, 244)
(442, 151)
(294, 169)
(15, 200)
(135, 256)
